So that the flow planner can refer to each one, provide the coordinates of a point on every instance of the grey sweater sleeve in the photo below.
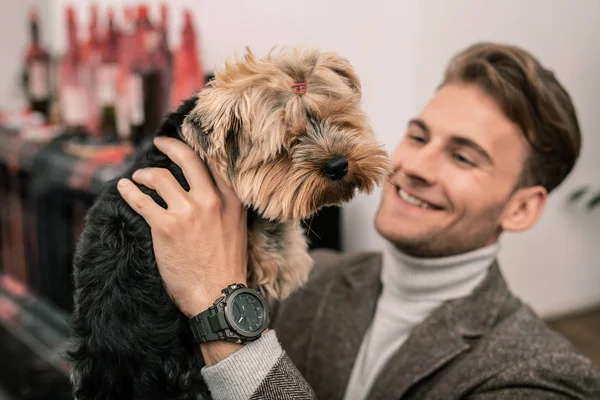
(259, 370)
(240, 374)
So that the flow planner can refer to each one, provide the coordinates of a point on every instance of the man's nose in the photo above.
(422, 166)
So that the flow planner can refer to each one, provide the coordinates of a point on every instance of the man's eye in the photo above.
(417, 138)
(463, 160)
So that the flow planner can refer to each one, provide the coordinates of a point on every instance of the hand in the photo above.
(200, 240)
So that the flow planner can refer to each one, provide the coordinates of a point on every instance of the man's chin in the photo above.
(430, 247)
(392, 228)
(413, 243)
(418, 248)
(403, 241)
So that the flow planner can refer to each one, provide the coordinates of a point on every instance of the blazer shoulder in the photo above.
(525, 331)
(330, 263)
(329, 266)
(531, 353)
(546, 363)
(520, 356)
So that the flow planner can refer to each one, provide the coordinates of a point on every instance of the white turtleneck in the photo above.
(412, 289)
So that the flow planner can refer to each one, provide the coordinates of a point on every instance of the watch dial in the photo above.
(247, 312)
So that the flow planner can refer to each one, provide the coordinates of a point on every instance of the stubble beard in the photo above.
(450, 240)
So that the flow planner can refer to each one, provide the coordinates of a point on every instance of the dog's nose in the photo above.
(336, 168)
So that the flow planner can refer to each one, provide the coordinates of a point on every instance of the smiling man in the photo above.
(460, 173)
(429, 317)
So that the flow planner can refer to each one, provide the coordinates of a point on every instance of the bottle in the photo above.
(126, 46)
(72, 90)
(164, 22)
(144, 81)
(37, 69)
(107, 75)
(188, 73)
(164, 58)
(91, 57)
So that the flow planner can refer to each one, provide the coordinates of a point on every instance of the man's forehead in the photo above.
(466, 112)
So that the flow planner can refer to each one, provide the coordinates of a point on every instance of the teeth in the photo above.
(412, 200)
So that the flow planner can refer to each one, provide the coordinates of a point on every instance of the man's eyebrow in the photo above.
(465, 142)
(419, 123)
(455, 139)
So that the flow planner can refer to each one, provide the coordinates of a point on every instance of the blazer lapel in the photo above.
(430, 345)
(342, 320)
(441, 337)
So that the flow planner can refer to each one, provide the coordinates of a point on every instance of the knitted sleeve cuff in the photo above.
(238, 376)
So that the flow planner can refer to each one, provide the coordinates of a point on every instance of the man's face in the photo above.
(454, 179)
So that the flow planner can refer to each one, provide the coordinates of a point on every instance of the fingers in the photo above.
(227, 193)
(194, 170)
(141, 202)
(165, 184)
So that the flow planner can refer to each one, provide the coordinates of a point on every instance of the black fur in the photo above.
(130, 341)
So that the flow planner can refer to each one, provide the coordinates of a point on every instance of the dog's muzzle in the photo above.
(336, 168)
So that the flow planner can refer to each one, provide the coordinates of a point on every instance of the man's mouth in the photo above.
(412, 200)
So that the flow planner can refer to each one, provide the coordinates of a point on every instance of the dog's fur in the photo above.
(270, 142)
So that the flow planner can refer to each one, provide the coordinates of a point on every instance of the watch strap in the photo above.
(209, 325)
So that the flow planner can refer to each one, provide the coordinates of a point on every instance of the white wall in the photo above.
(400, 49)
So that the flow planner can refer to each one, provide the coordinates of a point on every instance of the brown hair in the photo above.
(531, 97)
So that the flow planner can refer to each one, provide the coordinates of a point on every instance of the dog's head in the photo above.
(288, 132)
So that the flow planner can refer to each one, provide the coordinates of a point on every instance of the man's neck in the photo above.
(439, 278)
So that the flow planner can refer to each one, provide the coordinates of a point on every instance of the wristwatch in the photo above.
(239, 315)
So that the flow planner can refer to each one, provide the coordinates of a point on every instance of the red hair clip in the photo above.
(300, 87)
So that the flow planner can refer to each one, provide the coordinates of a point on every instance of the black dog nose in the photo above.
(336, 168)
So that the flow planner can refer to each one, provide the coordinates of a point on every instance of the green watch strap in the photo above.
(209, 325)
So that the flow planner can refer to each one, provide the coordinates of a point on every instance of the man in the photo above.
(431, 317)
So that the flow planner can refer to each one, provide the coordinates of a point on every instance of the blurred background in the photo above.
(83, 83)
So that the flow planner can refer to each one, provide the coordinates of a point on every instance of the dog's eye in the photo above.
(293, 143)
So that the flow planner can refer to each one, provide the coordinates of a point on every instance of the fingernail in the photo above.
(122, 182)
(159, 139)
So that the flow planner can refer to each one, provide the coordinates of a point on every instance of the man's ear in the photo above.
(524, 209)
(213, 127)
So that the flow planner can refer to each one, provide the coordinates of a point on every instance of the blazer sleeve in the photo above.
(284, 382)
(259, 370)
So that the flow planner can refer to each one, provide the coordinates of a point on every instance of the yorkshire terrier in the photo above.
(288, 133)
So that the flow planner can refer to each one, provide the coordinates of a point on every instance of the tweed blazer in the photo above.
(488, 345)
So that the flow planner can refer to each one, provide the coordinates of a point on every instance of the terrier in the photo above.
(289, 135)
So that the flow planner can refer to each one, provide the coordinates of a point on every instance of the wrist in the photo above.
(199, 302)
(203, 298)
(213, 352)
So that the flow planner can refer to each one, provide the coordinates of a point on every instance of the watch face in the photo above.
(247, 312)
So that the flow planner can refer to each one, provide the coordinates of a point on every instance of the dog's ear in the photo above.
(212, 128)
(344, 69)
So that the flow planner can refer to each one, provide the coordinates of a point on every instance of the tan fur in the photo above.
(275, 273)
(270, 143)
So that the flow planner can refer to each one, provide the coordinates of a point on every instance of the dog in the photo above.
(289, 135)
